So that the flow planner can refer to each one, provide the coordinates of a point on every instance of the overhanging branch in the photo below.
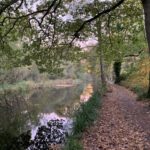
(76, 34)
(4, 6)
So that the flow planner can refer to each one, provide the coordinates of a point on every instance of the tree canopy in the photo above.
(48, 30)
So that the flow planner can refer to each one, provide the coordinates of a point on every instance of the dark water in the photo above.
(20, 113)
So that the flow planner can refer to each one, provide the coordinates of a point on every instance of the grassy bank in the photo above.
(40, 84)
(83, 118)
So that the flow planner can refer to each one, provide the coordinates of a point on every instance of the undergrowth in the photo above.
(137, 78)
(83, 118)
(141, 92)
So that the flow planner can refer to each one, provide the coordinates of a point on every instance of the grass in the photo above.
(73, 144)
(83, 118)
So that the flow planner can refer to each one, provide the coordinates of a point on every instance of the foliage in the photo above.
(43, 40)
(46, 31)
(19, 74)
(125, 32)
(137, 78)
(73, 144)
(11, 55)
(86, 114)
(84, 117)
(140, 92)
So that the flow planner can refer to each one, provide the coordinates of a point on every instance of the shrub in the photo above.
(142, 94)
(86, 114)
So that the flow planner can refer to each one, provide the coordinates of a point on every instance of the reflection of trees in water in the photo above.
(16, 110)
(53, 99)
(14, 114)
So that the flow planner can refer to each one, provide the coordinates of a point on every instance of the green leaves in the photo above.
(46, 34)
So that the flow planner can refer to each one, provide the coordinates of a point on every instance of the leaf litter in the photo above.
(123, 123)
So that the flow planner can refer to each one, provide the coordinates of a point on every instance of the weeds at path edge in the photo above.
(83, 118)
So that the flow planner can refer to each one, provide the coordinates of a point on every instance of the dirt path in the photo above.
(124, 123)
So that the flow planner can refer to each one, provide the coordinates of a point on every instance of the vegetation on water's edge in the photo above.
(84, 117)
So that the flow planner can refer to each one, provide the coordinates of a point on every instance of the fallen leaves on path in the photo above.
(124, 123)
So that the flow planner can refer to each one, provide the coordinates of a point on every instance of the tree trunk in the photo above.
(117, 70)
(103, 80)
(101, 60)
(148, 92)
(146, 7)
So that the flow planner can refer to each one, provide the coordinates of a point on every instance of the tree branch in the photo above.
(76, 34)
(19, 5)
(4, 6)
(10, 29)
(48, 10)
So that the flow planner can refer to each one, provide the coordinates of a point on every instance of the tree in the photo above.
(41, 32)
(45, 23)
(146, 7)
(123, 34)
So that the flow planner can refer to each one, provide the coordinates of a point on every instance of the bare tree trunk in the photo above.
(146, 7)
(103, 79)
(101, 60)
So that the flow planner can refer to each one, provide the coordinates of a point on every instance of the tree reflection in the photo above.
(15, 114)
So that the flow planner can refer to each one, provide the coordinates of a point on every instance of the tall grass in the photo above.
(83, 118)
